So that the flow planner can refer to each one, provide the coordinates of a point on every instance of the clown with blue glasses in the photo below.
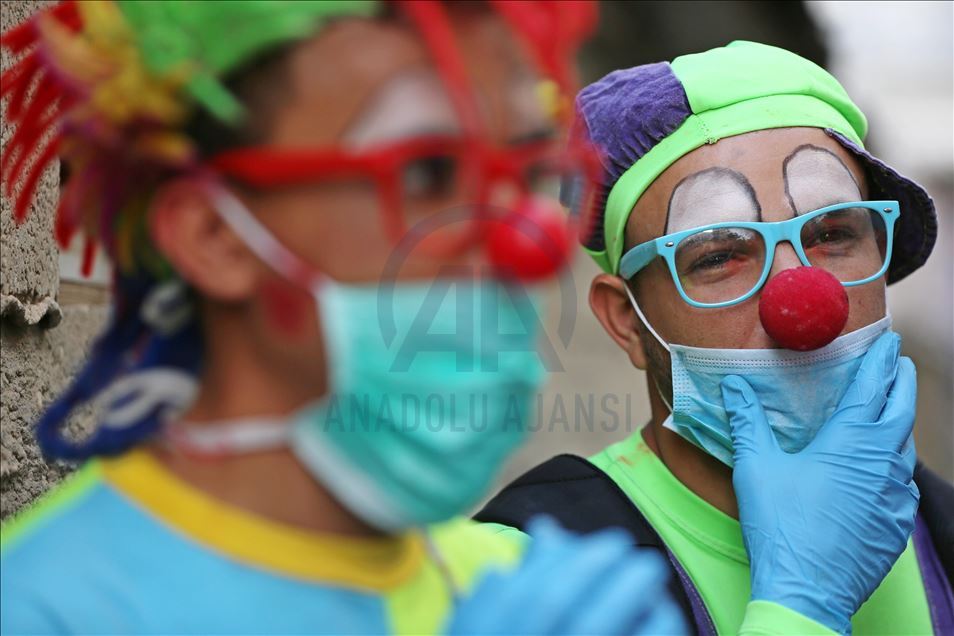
(746, 239)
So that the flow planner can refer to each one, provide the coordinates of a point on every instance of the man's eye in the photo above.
(829, 236)
(429, 177)
(713, 261)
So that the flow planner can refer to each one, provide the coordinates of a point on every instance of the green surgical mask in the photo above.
(415, 430)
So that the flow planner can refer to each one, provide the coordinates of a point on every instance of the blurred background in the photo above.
(896, 60)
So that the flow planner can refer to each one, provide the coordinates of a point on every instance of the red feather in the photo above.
(24, 35)
(20, 36)
(71, 203)
(29, 187)
(64, 226)
(23, 83)
(32, 121)
(89, 257)
(32, 140)
(11, 76)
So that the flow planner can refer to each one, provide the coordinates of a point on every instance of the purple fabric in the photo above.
(700, 615)
(626, 114)
(936, 586)
(914, 239)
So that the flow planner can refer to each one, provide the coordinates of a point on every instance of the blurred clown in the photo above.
(248, 167)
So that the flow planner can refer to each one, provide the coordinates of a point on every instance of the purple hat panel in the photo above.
(917, 230)
(626, 114)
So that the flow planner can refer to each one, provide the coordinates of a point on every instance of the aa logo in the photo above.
(467, 312)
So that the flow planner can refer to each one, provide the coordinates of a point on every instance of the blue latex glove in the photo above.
(823, 526)
(571, 584)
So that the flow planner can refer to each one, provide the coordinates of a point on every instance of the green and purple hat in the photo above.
(643, 119)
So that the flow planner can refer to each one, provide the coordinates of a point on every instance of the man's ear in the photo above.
(612, 308)
(199, 245)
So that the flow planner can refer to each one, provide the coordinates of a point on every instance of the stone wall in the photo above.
(43, 334)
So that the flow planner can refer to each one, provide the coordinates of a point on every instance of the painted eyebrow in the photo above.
(735, 175)
(788, 159)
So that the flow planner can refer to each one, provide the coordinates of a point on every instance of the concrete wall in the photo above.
(43, 334)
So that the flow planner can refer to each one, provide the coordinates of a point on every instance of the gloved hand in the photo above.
(570, 584)
(823, 526)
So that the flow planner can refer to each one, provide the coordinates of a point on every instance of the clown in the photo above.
(746, 238)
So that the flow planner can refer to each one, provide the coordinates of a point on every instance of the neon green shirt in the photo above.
(708, 544)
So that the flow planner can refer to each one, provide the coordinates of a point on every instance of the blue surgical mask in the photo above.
(799, 390)
(430, 388)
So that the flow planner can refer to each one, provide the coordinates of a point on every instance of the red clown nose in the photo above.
(803, 308)
(531, 243)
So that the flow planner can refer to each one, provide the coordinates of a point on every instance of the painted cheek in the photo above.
(734, 327)
(867, 305)
(287, 310)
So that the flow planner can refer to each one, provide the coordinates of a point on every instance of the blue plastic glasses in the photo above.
(726, 263)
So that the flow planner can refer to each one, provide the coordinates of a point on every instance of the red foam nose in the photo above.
(531, 243)
(803, 308)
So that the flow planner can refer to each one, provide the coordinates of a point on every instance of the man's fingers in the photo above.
(897, 419)
(751, 433)
(867, 392)
(909, 453)
(903, 462)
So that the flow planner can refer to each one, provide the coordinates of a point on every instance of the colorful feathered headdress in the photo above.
(108, 86)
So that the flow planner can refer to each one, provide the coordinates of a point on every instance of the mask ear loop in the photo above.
(228, 438)
(284, 306)
(262, 242)
(649, 327)
(642, 318)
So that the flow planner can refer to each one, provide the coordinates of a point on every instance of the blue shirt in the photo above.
(126, 547)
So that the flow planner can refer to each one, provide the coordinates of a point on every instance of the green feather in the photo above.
(213, 38)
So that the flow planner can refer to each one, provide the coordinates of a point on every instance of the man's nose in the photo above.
(785, 258)
(503, 197)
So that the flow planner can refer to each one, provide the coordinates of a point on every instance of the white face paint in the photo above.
(711, 196)
(527, 106)
(412, 104)
(815, 178)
